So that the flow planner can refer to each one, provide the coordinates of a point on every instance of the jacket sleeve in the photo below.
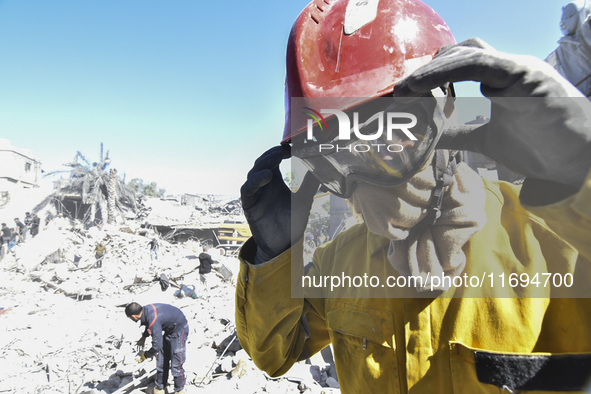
(274, 328)
(206, 258)
(571, 218)
(156, 339)
(154, 328)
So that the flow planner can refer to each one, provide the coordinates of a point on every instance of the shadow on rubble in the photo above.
(140, 380)
(225, 364)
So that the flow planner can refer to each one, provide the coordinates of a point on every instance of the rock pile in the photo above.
(63, 328)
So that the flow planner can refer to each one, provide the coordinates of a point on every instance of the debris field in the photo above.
(63, 328)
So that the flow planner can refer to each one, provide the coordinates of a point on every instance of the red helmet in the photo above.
(358, 49)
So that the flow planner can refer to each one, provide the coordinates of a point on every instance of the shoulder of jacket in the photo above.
(503, 197)
(352, 234)
(503, 194)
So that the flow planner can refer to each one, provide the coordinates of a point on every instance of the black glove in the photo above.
(540, 123)
(140, 343)
(269, 205)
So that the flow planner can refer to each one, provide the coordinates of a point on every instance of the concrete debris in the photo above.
(332, 382)
(206, 220)
(212, 205)
(63, 328)
(197, 211)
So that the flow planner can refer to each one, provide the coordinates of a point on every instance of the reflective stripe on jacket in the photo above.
(442, 345)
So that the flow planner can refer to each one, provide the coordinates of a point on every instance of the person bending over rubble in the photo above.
(424, 217)
(169, 329)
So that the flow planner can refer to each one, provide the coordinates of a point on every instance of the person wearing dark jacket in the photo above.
(5, 239)
(205, 261)
(6, 233)
(21, 229)
(28, 222)
(35, 225)
(169, 329)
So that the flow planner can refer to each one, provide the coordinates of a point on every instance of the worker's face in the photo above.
(393, 211)
(391, 144)
(135, 317)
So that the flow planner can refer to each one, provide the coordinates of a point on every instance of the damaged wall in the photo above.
(18, 166)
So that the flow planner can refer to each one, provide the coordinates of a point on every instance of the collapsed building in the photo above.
(211, 220)
(92, 193)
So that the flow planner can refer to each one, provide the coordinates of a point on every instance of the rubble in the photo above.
(195, 211)
(63, 328)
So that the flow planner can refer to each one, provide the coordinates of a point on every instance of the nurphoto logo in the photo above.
(375, 128)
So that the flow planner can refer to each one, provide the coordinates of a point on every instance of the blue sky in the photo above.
(186, 93)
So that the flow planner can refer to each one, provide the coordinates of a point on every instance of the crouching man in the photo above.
(169, 329)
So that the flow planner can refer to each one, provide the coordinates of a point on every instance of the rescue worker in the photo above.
(169, 329)
(424, 215)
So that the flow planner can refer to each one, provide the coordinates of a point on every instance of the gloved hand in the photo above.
(269, 208)
(140, 343)
(141, 357)
(540, 123)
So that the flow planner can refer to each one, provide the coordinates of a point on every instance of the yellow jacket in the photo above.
(462, 344)
(100, 250)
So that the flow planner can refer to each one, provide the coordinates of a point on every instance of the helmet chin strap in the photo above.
(444, 173)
